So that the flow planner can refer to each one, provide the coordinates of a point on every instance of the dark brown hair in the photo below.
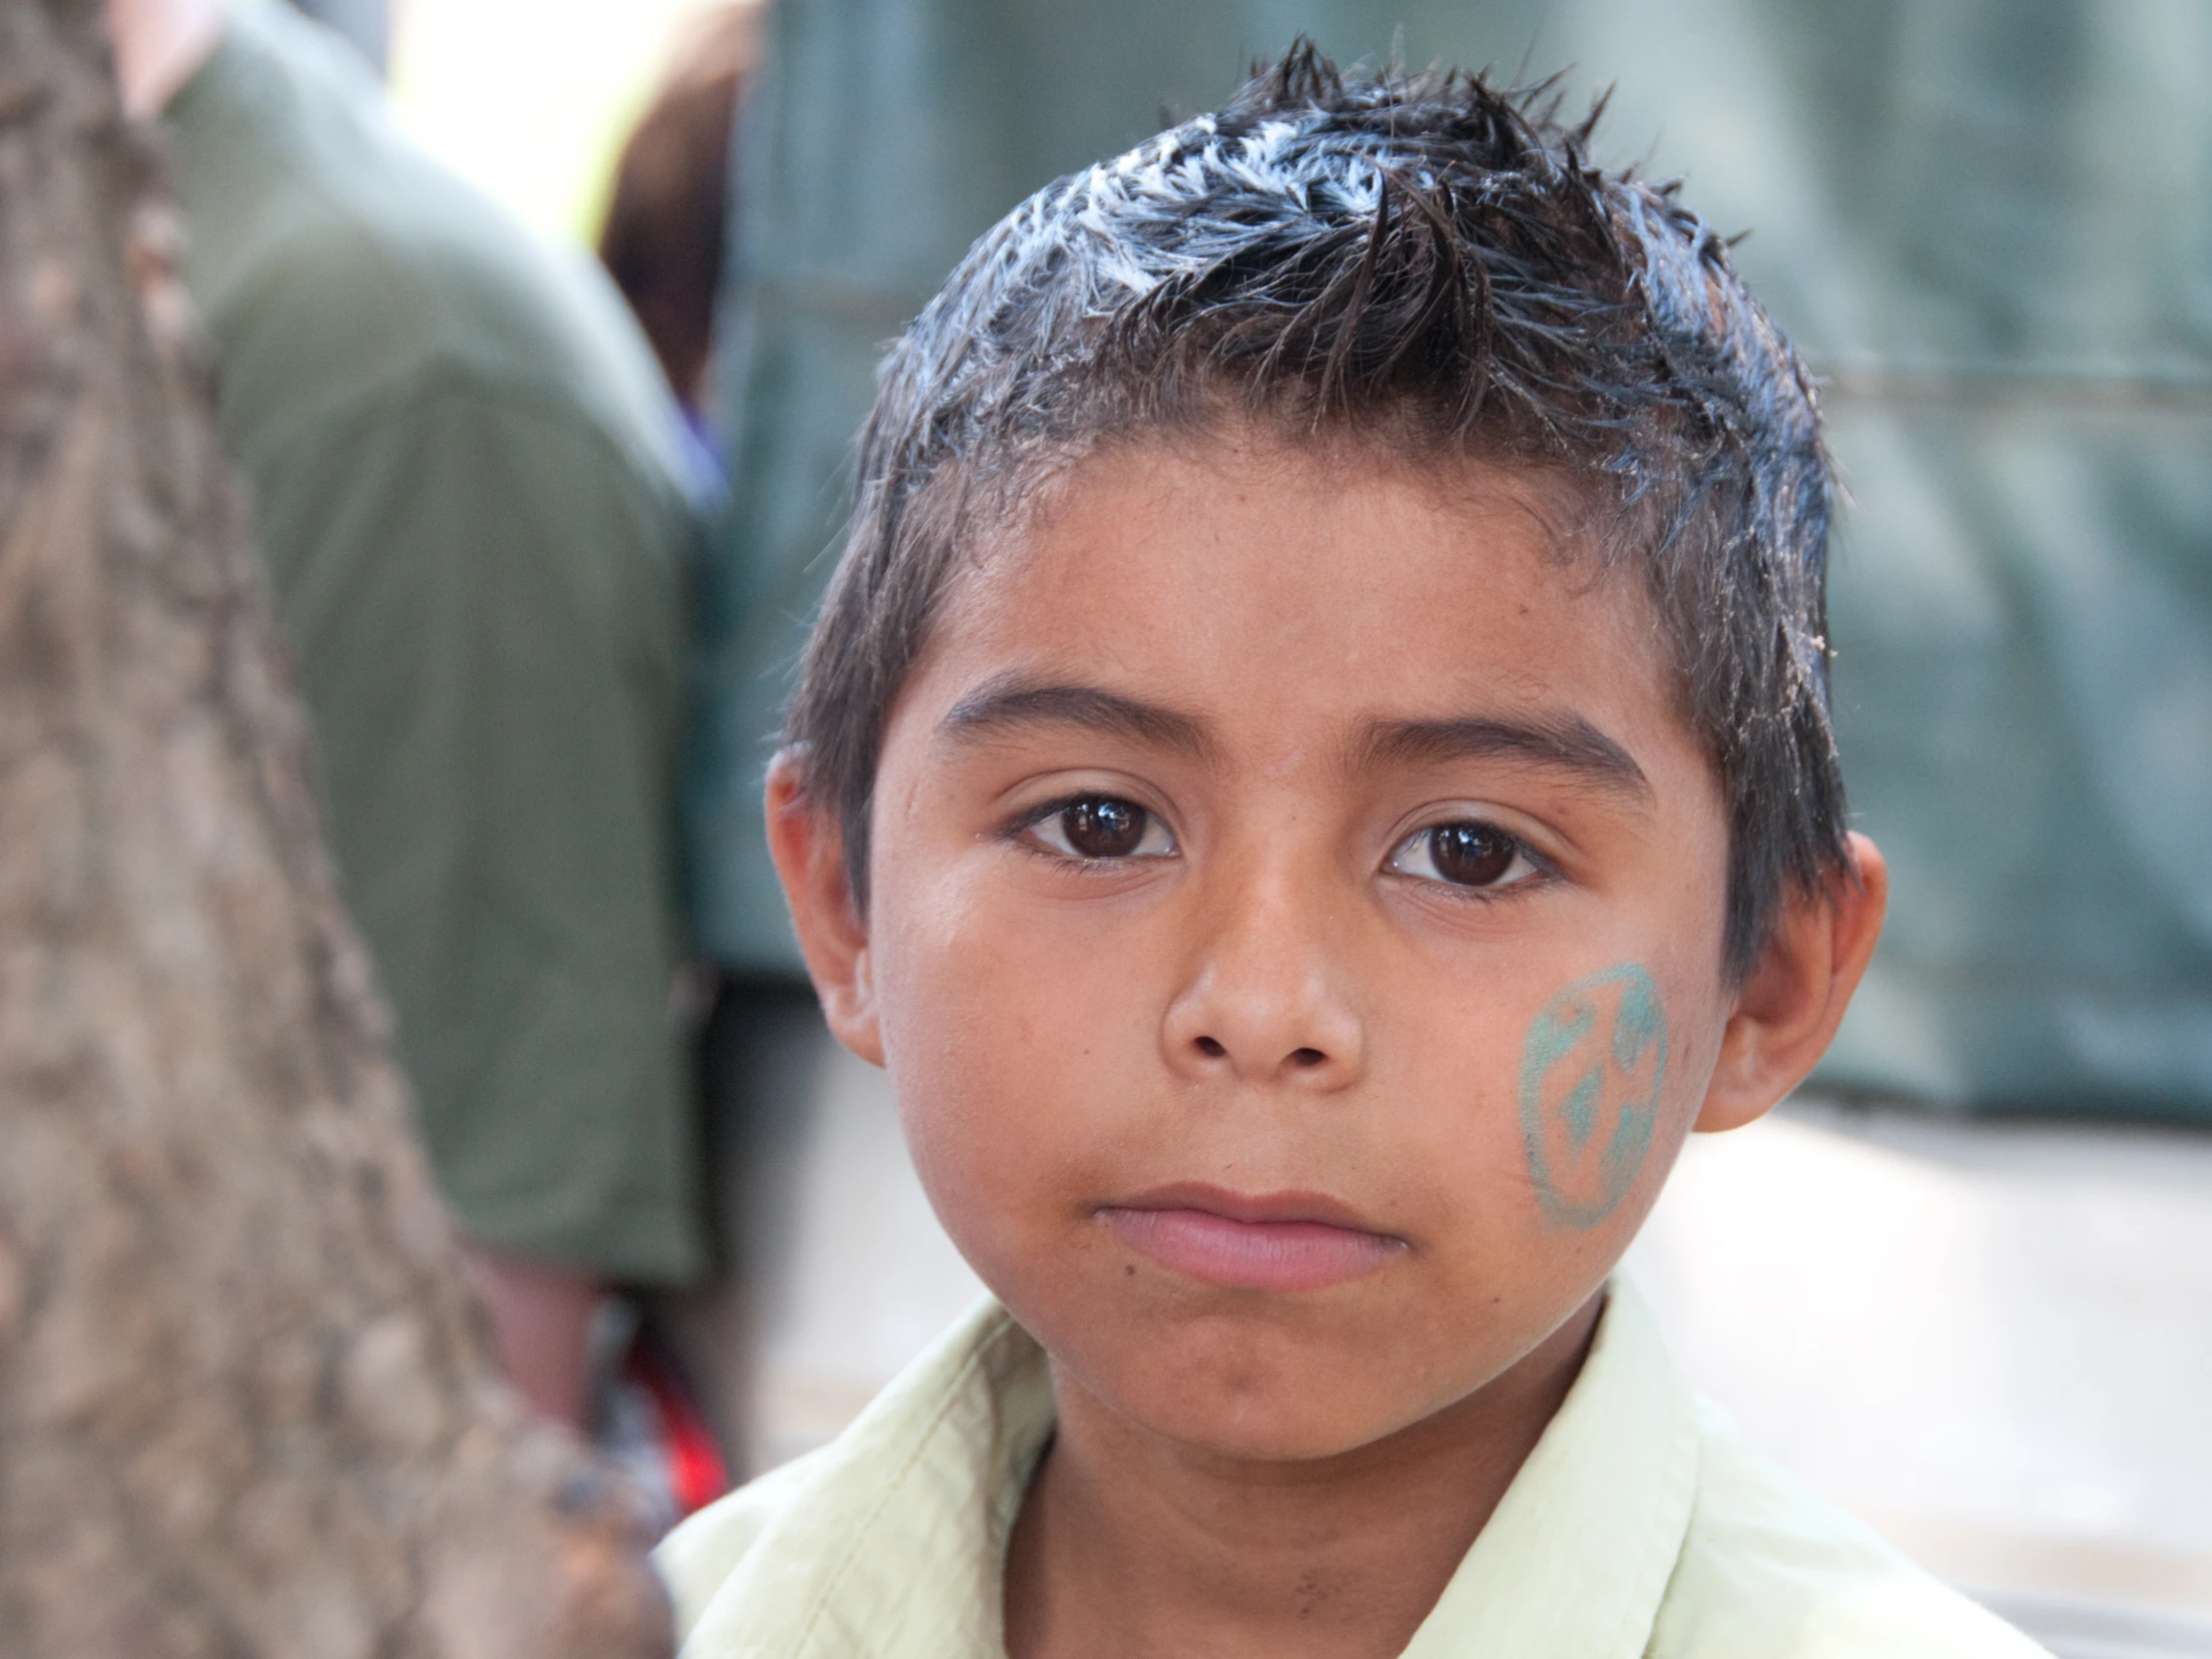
(1421, 262)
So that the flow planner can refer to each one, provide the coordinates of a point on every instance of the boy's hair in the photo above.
(1421, 263)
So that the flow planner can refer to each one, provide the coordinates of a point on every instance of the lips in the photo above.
(1267, 1242)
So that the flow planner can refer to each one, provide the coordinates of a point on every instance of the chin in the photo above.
(1278, 1425)
(1268, 1394)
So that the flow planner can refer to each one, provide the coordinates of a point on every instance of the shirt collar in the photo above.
(890, 1547)
(1575, 1561)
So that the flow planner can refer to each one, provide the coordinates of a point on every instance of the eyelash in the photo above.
(1541, 870)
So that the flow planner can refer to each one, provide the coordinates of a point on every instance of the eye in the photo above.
(1102, 826)
(1467, 854)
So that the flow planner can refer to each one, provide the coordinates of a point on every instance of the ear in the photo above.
(1790, 1004)
(808, 845)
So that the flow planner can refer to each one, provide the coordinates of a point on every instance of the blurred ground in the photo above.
(1994, 1340)
(1991, 1340)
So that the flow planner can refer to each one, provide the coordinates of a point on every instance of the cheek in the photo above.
(1559, 1101)
(998, 1036)
(1612, 1067)
(1444, 1105)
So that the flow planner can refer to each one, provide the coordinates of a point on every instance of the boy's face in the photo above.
(1295, 935)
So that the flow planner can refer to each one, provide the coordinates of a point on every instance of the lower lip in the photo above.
(1252, 1255)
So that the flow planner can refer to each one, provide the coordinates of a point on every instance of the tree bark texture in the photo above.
(247, 1407)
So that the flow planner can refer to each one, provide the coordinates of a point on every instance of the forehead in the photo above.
(1281, 590)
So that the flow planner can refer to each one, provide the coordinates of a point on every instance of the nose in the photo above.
(1265, 1002)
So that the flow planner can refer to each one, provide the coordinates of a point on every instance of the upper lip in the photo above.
(1252, 1206)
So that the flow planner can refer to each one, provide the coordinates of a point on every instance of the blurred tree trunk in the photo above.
(246, 1407)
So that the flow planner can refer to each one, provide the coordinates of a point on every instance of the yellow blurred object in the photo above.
(531, 100)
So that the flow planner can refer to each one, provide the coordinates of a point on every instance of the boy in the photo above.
(1314, 775)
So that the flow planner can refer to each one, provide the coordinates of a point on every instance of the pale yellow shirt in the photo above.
(1642, 1524)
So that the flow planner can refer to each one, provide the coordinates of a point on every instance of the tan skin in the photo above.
(1241, 963)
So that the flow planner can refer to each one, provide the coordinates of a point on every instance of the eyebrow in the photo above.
(1565, 742)
(1010, 703)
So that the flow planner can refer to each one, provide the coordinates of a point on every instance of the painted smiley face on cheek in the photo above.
(1591, 1070)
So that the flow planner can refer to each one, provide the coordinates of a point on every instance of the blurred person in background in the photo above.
(664, 242)
(668, 212)
(470, 497)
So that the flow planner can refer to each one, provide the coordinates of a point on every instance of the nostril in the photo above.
(1210, 1048)
(1307, 1057)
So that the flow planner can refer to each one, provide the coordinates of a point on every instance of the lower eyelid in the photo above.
(1495, 893)
(1077, 860)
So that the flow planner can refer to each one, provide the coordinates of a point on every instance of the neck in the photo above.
(159, 46)
(1131, 1546)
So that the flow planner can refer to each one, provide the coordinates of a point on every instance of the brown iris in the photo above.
(1470, 854)
(1103, 828)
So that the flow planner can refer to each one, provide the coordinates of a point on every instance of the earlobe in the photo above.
(1790, 1004)
(808, 845)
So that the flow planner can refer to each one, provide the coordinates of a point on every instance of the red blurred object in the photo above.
(697, 1473)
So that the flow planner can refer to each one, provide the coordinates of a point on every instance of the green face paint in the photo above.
(1591, 1071)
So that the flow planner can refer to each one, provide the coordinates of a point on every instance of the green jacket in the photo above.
(470, 506)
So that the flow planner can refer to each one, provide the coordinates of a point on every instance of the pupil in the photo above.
(1103, 828)
(1469, 854)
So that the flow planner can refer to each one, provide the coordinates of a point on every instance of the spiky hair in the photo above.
(1424, 261)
